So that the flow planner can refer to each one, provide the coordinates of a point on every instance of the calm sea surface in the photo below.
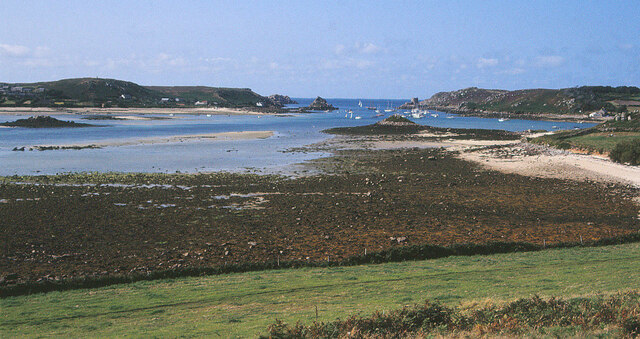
(209, 155)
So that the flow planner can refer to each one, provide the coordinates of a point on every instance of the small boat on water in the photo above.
(450, 117)
(358, 117)
(434, 115)
(372, 108)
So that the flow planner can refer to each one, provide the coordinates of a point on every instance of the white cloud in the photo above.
(358, 47)
(549, 61)
(14, 50)
(368, 48)
(626, 46)
(346, 63)
(42, 51)
(513, 71)
(217, 59)
(486, 62)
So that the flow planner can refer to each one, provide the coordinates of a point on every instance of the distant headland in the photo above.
(107, 93)
(580, 102)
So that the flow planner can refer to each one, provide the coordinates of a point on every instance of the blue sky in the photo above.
(356, 49)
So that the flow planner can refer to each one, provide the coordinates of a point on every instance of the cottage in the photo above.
(125, 96)
(202, 103)
(599, 114)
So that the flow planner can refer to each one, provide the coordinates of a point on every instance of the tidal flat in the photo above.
(99, 225)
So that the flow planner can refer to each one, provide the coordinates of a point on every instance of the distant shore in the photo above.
(123, 112)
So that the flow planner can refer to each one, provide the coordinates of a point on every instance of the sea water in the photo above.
(271, 154)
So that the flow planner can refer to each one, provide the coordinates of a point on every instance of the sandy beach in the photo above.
(226, 136)
(539, 161)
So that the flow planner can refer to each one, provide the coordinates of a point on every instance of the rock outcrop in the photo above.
(281, 100)
(321, 105)
(396, 120)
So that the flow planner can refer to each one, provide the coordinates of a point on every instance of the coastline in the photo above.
(522, 116)
(124, 112)
(506, 156)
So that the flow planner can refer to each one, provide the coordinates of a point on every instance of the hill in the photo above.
(219, 96)
(98, 92)
(576, 100)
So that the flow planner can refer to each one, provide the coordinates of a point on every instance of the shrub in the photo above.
(631, 327)
(627, 152)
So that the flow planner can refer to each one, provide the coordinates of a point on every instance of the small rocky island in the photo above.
(281, 100)
(44, 122)
(321, 104)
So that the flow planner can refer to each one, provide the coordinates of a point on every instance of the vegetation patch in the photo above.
(211, 305)
(619, 139)
(627, 152)
(525, 317)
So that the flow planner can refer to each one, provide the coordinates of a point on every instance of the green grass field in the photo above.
(242, 305)
(604, 141)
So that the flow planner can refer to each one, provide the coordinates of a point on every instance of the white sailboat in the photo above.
(360, 103)
(389, 109)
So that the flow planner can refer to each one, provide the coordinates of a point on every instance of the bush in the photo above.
(631, 326)
(527, 317)
(627, 152)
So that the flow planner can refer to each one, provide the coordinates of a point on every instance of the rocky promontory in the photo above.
(281, 99)
(321, 104)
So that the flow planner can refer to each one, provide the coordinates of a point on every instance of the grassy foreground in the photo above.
(242, 305)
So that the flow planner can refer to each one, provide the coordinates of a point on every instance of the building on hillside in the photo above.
(202, 103)
(599, 114)
(125, 96)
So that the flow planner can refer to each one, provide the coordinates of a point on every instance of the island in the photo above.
(44, 122)
(320, 104)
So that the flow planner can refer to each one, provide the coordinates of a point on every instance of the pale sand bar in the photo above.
(223, 136)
